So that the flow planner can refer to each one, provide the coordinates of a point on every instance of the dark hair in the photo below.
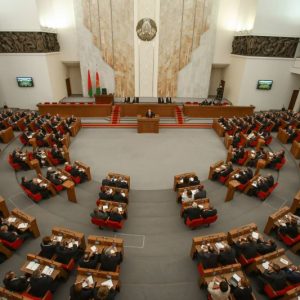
(223, 286)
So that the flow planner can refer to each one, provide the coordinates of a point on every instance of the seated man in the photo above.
(36, 186)
(99, 214)
(246, 247)
(222, 171)
(88, 261)
(289, 228)
(186, 196)
(41, 156)
(54, 177)
(237, 153)
(110, 259)
(7, 235)
(275, 277)
(76, 171)
(115, 216)
(264, 247)
(107, 181)
(200, 193)
(78, 292)
(275, 158)
(208, 257)
(20, 158)
(208, 212)
(192, 213)
(150, 113)
(40, 284)
(14, 283)
(47, 248)
(106, 193)
(122, 183)
(243, 291)
(218, 289)
(104, 293)
(64, 252)
(227, 255)
(292, 274)
(263, 183)
(58, 154)
(120, 196)
(243, 176)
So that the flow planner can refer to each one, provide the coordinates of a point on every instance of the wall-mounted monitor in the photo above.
(264, 84)
(25, 81)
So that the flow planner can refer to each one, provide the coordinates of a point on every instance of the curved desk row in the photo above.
(78, 109)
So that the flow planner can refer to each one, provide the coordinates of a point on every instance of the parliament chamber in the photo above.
(150, 150)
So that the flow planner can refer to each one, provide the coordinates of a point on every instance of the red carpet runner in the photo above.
(115, 114)
(179, 115)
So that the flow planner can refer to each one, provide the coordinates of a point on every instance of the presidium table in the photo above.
(148, 125)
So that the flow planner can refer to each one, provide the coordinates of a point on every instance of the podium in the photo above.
(148, 125)
(104, 99)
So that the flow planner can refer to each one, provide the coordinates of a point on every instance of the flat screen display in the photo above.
(25, 81)
(264, 84)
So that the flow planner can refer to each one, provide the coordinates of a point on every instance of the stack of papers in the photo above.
(105, 207)
(38, 180)
(120, 209)
(236, 277)
(200, 206)
(22, 225)
(108, 283)
(48, 271)
(57, 238)
(255, 235)
(94, 248)
(11, 219)
(32, 266)
(63, 177)
(266, 265)
(88, 281)
(219, 246)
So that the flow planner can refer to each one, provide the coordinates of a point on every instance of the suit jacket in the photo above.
(244, 293)
(110, 263)
(119, 198)
(90, 264)
(39, 286)
(108, 182)
(276, 279)
(111, 295)
(292, 276)
(115, 217)
(227, 257)
(247, 249)
(209, 260)
(200, 194)
(208, 213)
(264, 248)
(289, 230)
(193, 213)
(8, 236)
(64, 254)
(84, 294)
(47, 251)
(18, 284)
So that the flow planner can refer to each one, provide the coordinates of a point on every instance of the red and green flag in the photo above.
(98, 91)
(90, 87)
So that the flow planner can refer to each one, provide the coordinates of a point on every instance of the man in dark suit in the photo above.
(47, 248)
(264, 247)
(14, 283)
(208, 212)
(290, 228)
(192, 213)
(227, 256)
(275, 277)
(99, 214)
(64, 254)
(115, 216)
(246, 247)
(88, 261)
(150, 113)
(77, 292)
(118, 197)
(200, 193)
(40, 284)
(58, 154)
(208, 257)
(9, 236)
(110, 259)
(107, 181)
(292, 274)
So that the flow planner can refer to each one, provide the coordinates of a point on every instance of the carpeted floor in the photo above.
(157, 264)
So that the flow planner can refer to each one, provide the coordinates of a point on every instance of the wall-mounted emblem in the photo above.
(146, 29)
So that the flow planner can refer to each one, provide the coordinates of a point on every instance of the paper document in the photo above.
(236, 277)
(219, 245)
(105, 207)
(255, 235)
(88, 281)
(94, 248)
(120, 209)
(284, 261)
(200, 206)
(38, 180)
(11, 219)
(47, 271)
(108, 283)
(22, 225)
(32, 266)
(266, 265)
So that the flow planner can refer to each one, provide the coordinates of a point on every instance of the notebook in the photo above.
(32, 266)
(48, 271)
(108, 283)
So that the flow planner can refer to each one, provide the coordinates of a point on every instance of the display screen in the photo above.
(264, 84)
(25, 81)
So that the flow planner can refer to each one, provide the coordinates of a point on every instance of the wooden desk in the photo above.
(296, 203)
(292, 294)
(68, 233)
(7, 135)
(3, 208)
(134, 109)
(98, 277)
(76, 109)
(75, 127)
(148, 125)
(274, 217)
(228, 140)
(232, 185)
(200, 240)
(70, 187)
(295, 150)
(216, 111)
(236, 233)
(85, 167)
(113, 204)
(104, 99)
(283, 136)
(117, 175)
(213, 167)
(33, 227)
(58, 269)
(177, 178)
(102, 242)
(34, 164)
(218, 128)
